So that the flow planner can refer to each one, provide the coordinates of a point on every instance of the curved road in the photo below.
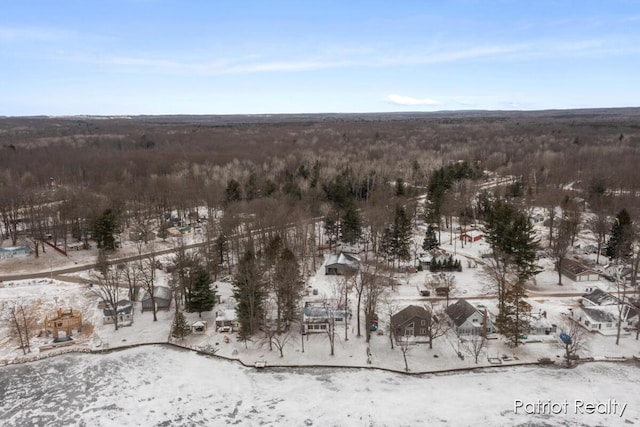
(83, 267)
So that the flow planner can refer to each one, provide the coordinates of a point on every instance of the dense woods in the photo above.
(257, 186)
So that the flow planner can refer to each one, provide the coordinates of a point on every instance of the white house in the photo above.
(227, 319)
(600, 312)
(124, 312)
(467, 319)
(317, 317)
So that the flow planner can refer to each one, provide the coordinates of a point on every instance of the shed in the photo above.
(471, 236)
(199, 327)
(162, 296)
(578, 272)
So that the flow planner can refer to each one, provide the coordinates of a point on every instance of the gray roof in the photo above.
(575, 267)
(123, 307)
(599, 315)
(161, 292)
(408, 313)
(460, 311)
(600, 297)
(343, 259)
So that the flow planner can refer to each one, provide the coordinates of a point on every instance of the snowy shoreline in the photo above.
(66, 351)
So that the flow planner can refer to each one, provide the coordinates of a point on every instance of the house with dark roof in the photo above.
(578, 272)
(124, 312)
(162, 296)
(600, 312)
(466, 319)
(598, 297)
(341, 264)
(411, 324)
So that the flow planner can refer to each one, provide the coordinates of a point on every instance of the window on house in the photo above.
(423, 322)
(609, 324)
(423, 331)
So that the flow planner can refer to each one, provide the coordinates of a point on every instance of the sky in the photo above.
(130, 57)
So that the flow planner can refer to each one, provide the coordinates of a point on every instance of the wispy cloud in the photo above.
(186, 63)
(22, 34)
(263, 64)
(410, 101)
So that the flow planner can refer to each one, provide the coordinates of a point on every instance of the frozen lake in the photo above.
(163, 386)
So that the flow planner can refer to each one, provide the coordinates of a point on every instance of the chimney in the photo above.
(484, 323)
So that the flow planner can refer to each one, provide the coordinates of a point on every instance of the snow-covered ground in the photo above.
(159, 385)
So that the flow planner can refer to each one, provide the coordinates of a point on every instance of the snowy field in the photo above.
(163, 386)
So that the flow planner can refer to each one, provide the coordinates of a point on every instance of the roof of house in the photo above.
(160, 292)
(123, 307)
(320, 310)
(225, 315)
(460, 311)
(540, 322)
(599, 315)
(344, 259)
(575, 268)
(600, 297)
(472, 233)
(409, 313)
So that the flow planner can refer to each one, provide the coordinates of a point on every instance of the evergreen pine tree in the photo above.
(250, 292)
(514, 247)
(515, 322)
(103, 229)
(180, 327)
(351, 225)
(430, 239)
(401, 234)
(619, 245)
(202, 297)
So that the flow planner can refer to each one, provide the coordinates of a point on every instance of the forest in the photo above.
(255, 186)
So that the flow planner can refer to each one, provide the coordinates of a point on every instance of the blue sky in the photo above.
(253, 57)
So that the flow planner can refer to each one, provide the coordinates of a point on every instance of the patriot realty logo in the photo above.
(578, 407)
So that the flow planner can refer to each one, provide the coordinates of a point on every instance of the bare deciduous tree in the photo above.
(107, 288)
(576, 341)
(23, 322)
(474, 345)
